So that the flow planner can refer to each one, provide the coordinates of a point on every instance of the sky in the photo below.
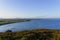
(29, 8)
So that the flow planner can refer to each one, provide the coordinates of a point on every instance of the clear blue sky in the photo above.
(30, 8)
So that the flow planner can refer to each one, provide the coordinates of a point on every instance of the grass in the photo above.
(8, 21)
(37, 34)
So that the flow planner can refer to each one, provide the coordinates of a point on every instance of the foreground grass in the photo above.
(38, 34)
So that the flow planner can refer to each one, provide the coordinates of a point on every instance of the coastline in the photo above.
(11, 21)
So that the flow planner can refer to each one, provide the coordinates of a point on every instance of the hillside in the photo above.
(8, 21)
(38, 34)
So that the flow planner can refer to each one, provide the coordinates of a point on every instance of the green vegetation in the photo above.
(8, 21)
(39, 34)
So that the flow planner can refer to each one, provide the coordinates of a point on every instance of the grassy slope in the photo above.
(8, 21)
(37, 34)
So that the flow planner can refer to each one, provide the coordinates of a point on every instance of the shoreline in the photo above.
(10, 21)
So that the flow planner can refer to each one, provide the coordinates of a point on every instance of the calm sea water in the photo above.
(33, 24)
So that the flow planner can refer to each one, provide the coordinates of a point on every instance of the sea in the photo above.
(32, 24)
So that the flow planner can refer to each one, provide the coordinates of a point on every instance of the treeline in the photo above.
(27, 35)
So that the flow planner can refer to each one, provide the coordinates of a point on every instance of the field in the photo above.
(37, 34)
(8, 21)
